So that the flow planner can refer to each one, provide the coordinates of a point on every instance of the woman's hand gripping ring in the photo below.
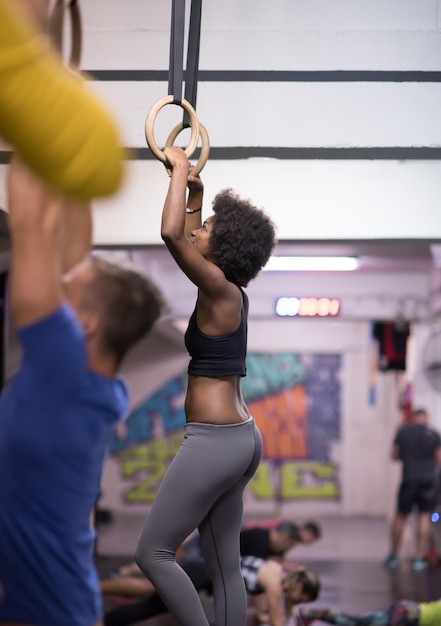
(150, 121)
(205, 146)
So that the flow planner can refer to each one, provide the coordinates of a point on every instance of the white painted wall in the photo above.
(284, 114)
(307, 199)
(283, 34)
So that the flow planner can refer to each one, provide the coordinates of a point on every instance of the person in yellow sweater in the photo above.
(402, 613)
(54, 123)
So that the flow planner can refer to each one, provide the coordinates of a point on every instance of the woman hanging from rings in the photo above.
(204, 484)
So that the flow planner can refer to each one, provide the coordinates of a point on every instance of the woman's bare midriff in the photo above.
(215, 400)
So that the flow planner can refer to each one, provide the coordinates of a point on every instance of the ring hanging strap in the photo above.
(56, 23)
(191, 74)
(175, 80)
(176, 70)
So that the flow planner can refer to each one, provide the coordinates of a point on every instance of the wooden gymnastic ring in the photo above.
(205, 146)
(56, 20)
(150, 121)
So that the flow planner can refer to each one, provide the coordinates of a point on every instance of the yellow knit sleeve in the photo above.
(62, 131)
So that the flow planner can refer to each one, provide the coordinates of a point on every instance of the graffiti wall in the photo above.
(295, 400)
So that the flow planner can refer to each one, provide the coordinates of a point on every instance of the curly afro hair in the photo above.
(242, 237)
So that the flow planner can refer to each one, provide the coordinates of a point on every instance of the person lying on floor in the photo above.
(402, 613)
(260, 577)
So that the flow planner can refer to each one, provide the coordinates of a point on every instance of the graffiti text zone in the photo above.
(145, 465)
(295, 480)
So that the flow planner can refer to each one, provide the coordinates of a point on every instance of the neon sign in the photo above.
(307, 307)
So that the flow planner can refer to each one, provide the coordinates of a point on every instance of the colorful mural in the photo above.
(295, 400)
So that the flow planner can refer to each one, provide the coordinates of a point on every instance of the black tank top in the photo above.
(221, 355)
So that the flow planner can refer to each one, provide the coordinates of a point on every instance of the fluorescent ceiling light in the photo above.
(311, 264)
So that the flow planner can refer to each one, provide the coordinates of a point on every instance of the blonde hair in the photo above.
(309, 582)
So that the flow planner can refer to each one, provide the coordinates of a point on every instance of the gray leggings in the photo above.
(202, 488)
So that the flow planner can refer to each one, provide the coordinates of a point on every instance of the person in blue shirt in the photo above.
(76, 315)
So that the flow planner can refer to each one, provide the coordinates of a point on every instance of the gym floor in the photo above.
(348, 560)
